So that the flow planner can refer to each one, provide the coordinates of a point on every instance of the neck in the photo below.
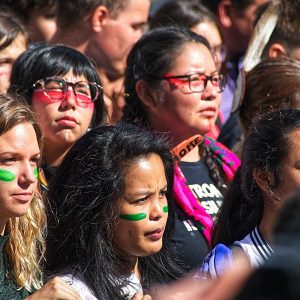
(73, 38)
(53, 155)
(267, 223)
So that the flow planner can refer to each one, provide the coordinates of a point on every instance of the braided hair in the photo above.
(151, 57)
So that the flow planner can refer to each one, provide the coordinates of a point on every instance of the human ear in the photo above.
(265, 181)
(99, 18)
(146, 94)
(224, 11)
(276, 50)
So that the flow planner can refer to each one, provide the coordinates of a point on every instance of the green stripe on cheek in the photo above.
(36, 173)
(7, 175)
(133, 217)
(166, 208)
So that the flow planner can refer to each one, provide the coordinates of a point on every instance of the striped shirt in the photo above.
(255, 247)
(220, 258)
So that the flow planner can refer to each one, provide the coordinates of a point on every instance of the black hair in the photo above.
(187, 13)
(151, 57)
(42, 61)
(287, 29)
(9, 30)
(22, 9)
(266, 145)
(89, 182)
(239, 4)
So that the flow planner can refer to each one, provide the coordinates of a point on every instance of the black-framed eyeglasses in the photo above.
(197, 82)
(56, 89)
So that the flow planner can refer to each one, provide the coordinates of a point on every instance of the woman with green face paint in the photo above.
(115, 215)
(22, 218)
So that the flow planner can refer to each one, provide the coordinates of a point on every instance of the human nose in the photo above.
(210, 91)
(27, 175)
(156, 210)
(69, 100)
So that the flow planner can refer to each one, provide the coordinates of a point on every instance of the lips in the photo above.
(67, 121)
(156, 234)
(23, 197)
(209, 111)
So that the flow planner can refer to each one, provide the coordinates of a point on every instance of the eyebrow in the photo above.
(144, 192)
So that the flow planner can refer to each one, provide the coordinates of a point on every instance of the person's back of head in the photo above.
(272, 84)
(187, 13)
(284, 39)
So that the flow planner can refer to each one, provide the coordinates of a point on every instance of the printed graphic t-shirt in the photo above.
(202, 186)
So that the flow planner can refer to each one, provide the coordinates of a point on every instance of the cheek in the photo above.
(39, 97)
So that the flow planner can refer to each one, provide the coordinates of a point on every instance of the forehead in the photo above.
(71, 77)
(144, 170)
(193, 57)
(21, 138)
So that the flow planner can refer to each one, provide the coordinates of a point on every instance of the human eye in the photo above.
(163, 193)
(35, 161)
(53, 84)
(140, 201)
(7, 160)
(83, 88)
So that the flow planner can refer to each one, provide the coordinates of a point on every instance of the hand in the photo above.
(55, 289)
(140, 296)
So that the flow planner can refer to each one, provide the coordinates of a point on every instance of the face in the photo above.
(19, 155)
(290, 168)
(210, 31)
(242, 24)
(62, 122)
(120, 33)
(143, 209)
(7, 58)
(182, 111)
(42, 24)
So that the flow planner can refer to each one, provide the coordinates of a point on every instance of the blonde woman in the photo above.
(22, 217)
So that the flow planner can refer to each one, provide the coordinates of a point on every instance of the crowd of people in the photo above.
(149, 149)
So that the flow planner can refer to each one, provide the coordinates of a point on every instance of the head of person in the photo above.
(115, 26)
(269, 173)
(38, 17)
(64, 90)
(21, 207)
(13, 42)
(196, 17)
(172, 83)
(280, 88)
(284, 40)
(236, 19)
(113, 198)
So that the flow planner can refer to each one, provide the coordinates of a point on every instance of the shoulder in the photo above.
(216, 262)
(256, 247)
(78, 282)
